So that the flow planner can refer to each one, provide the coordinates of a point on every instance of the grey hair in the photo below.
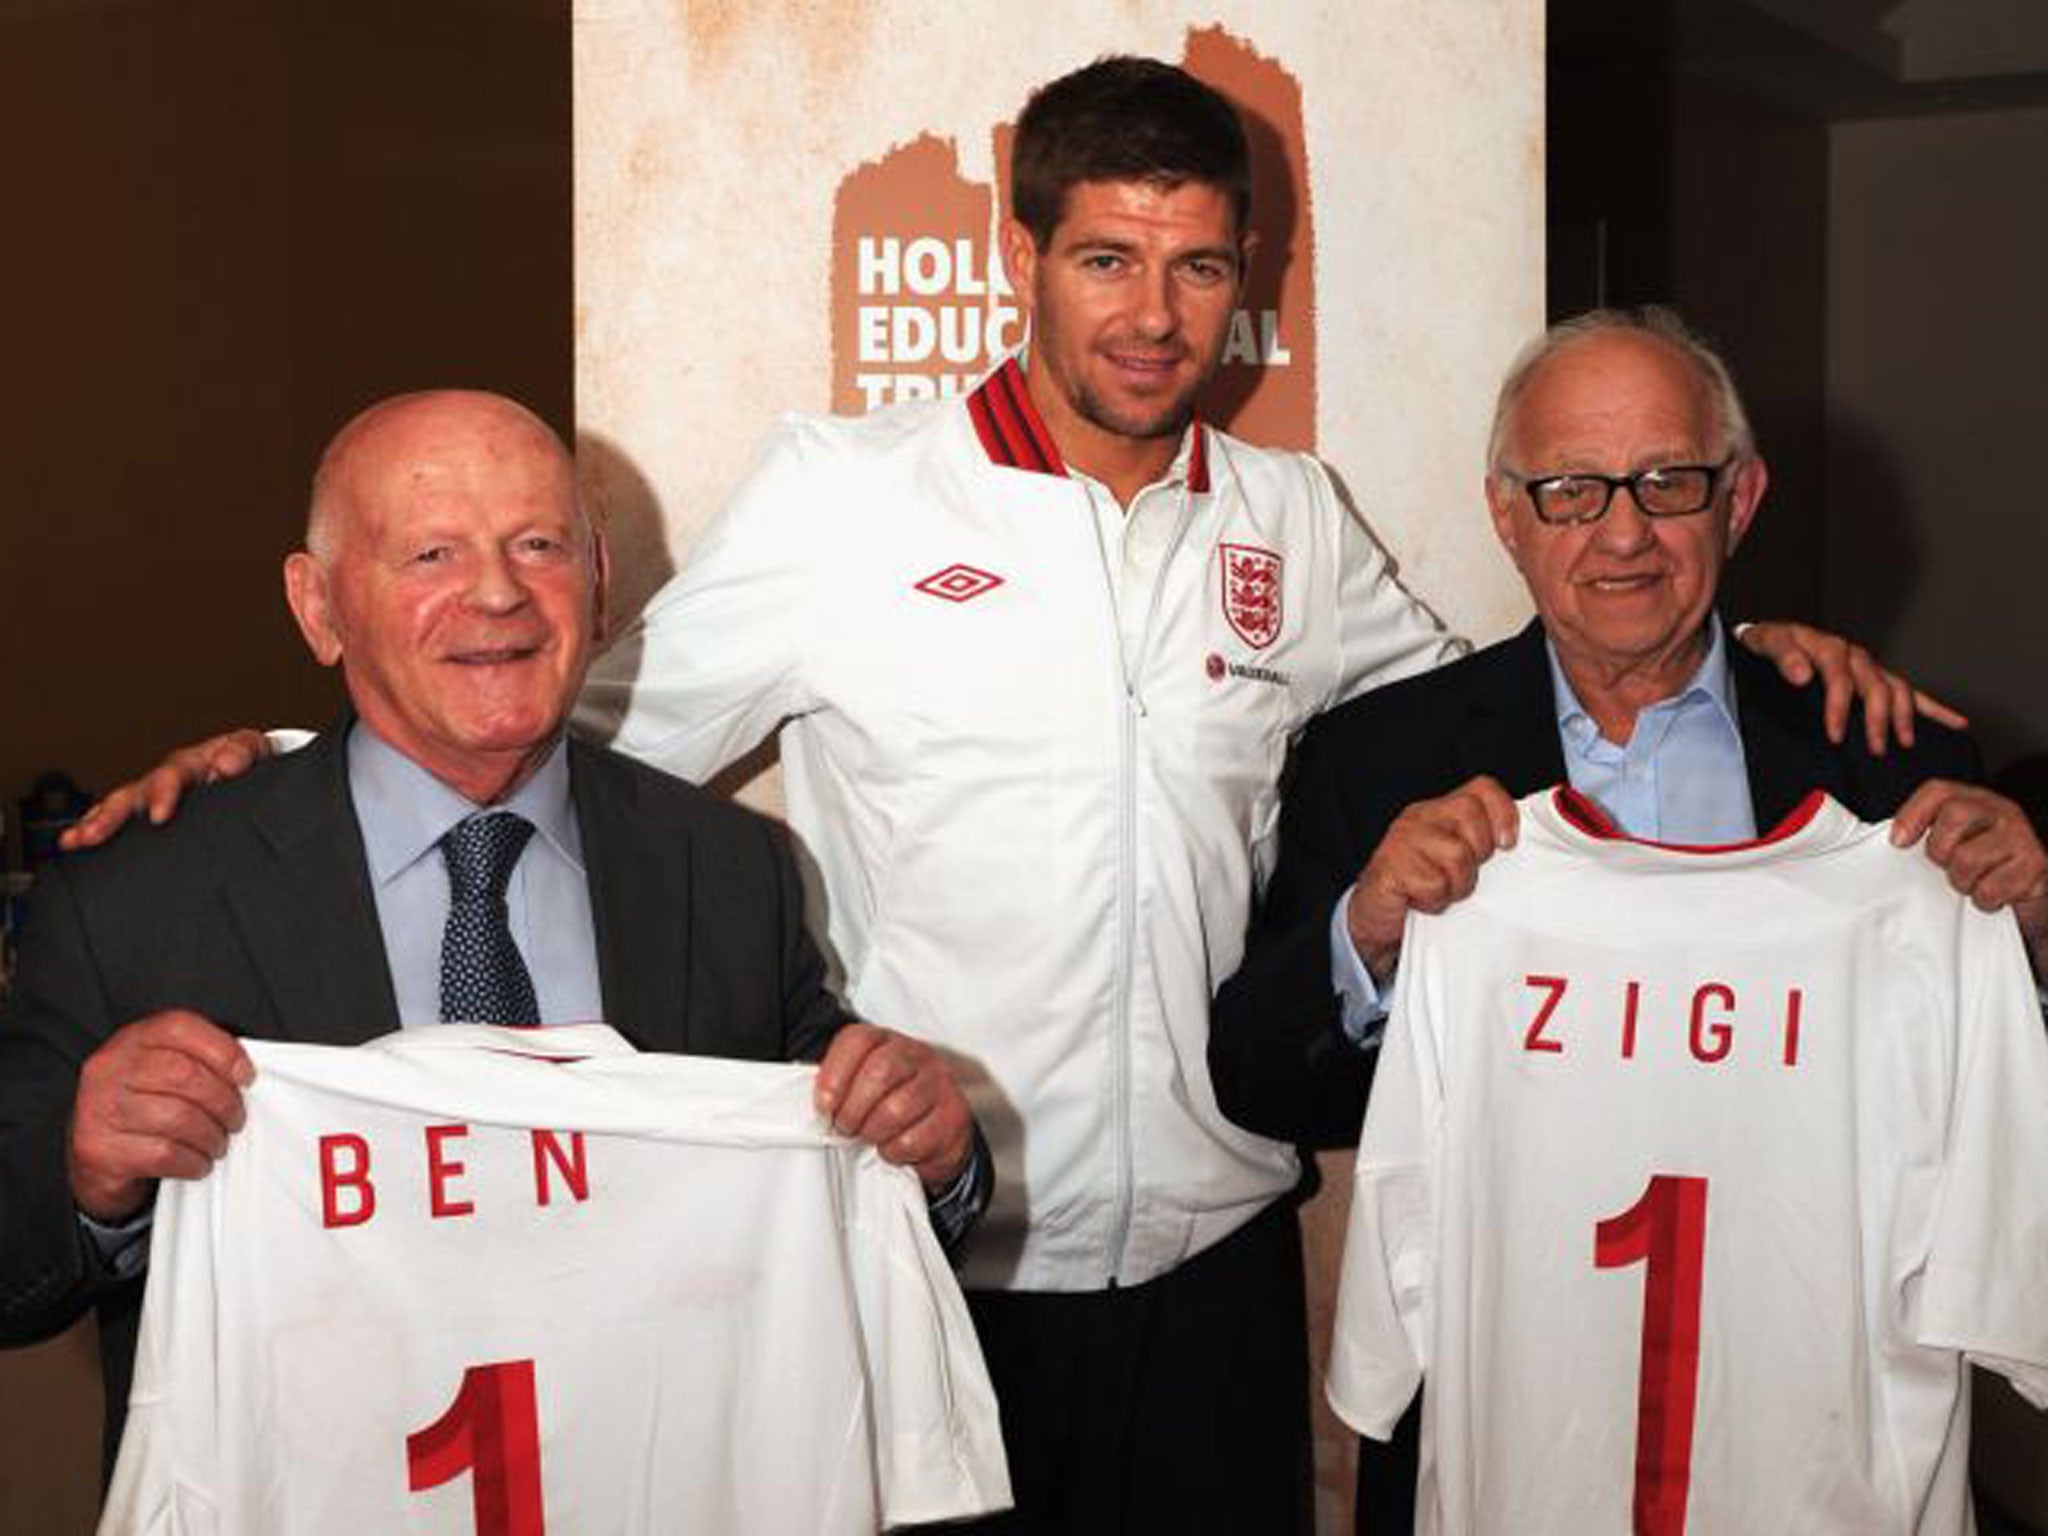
(321, 515)
(1650, 320)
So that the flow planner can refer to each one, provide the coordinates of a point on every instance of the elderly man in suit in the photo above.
(451, 574)
(1622, 476)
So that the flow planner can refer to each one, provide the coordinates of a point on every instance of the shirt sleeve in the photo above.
(1364, 1006)
(937, 1440)
(168, 1467)
(1385, 1290)
(955, 1209)
(717, 659)
(123, 1248)
(1984, 1287)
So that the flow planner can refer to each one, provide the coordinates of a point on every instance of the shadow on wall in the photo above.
(627, 511)
(1275, 203)
(623, 503)
(1350, 504)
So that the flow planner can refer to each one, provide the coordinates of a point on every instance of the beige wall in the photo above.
(1937, 400)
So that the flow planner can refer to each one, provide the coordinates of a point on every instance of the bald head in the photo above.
(451, 574)
(398, 424)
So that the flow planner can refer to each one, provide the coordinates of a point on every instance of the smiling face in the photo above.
(455, 581)
(1130, 305)
(1627, 597)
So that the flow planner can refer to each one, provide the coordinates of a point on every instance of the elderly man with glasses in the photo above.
(1622, 476)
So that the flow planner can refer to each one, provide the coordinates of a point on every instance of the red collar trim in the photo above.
(1591, 820)
(1008, 424)
(1014, 436)
(1198, 459)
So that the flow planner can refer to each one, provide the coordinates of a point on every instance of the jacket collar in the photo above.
(306, 911)
(637, 859)
(1014, 436)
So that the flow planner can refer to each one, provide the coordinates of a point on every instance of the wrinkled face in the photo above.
(1130, 306)
(460, 592)
(1628, 592)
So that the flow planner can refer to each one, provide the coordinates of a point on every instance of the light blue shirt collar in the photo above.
(404, 810)
(1709, 684)
(1681, 776)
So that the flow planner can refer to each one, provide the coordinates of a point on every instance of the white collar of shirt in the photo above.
(404, 811)
(1710, 685)
(1173, 478)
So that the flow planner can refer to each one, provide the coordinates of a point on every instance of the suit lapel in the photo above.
(1512, 731)
(306, 911)
(638, 866)
(1783, 757)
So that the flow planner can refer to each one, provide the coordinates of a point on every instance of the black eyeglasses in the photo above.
(1671, 490)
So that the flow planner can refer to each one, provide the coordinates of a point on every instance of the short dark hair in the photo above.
(1124, 119)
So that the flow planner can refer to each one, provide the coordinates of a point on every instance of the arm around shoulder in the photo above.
(720, 654)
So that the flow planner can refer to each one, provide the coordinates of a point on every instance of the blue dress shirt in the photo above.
(404, 810)
(1682, 777)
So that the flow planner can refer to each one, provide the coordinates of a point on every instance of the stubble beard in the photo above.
(1170, 420)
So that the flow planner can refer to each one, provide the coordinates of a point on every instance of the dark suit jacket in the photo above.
(254, 908)
(1278, 1061)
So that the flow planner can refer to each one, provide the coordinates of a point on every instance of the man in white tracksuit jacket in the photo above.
(1040, 651)
(1033, 744)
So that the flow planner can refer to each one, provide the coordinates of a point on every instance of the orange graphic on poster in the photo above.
(920, 306)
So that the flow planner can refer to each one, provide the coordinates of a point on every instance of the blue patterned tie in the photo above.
(483, 979)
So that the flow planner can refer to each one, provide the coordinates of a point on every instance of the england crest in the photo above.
(1251, 592)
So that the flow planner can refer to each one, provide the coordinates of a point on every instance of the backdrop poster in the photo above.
(793, 207)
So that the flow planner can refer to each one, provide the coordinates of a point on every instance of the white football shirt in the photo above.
(1690, 1180)
(511, 1281)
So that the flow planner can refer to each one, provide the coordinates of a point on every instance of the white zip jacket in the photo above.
(1034, 829)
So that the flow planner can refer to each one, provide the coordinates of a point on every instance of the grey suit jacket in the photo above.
(254, 908)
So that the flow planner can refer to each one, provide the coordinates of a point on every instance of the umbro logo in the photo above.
(959, 583)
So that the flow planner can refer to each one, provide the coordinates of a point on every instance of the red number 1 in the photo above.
(1666, 1230)
(492, 1432)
